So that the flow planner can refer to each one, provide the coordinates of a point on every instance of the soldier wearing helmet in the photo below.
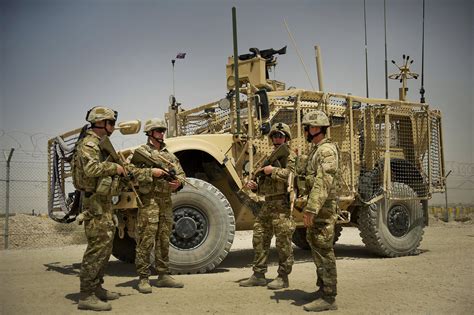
(275, 217)
(155, 218)
(319, 214)
(92, 175)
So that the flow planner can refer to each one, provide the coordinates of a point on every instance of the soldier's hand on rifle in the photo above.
(268, 169)
(251, 185)
(308, 219)
(120, 170)
(157, 172)
(174, 184)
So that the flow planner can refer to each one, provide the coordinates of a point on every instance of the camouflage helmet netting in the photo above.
(99, 113)
(316, 118)
(154, 123)
(280, 127)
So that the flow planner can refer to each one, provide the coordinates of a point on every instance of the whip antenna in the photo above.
(366, 59)
(385, 30)
(299, 55)
(422, 89)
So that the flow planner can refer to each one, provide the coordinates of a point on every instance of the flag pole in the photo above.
(172, 63)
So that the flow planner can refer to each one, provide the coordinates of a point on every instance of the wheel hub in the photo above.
(398, 220)
(190, 228)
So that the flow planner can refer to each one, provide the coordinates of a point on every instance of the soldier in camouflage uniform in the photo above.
(92, 175)
(320, 215)
(155, 218)
(275, 217)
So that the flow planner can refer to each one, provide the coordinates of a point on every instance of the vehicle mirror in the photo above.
(261, 104)
(129, 127)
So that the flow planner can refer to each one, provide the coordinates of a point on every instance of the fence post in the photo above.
(446, 196)
(7, 197)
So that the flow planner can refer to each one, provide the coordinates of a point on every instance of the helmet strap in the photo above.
(156, 139)
(310, 137)
(93, 125)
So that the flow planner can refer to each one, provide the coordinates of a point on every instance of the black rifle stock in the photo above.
(141, 158)
(106, 146)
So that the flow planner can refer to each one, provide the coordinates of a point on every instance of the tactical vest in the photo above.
(158, 185)
(79, 178)
(270, 187)
(312, 167)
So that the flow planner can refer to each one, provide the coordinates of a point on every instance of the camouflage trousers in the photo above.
(100, 230)
(154, 226)
(321, 240)
(272, 220)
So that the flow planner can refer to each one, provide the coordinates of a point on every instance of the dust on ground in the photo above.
(437, 281)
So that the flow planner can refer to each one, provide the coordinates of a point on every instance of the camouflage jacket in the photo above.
(146, 182)
(276, 183)
(321, 175)
(89, 163)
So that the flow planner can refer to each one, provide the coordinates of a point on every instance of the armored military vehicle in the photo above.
(391, 154)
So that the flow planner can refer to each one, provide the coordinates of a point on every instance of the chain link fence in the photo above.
(30, 227)
(28, 223)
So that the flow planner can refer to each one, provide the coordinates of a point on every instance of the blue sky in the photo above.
(59, 58)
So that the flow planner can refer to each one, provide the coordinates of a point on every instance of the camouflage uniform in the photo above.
(89, 168)
(274, 219)
(155, 218)
(321, 177)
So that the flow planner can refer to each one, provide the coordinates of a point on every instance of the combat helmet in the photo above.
(154, 123)
(99, 113)
(316, 118)
(281, 128)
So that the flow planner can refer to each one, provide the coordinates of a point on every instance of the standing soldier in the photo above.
(320, 215)
(155, 217)
(275, 217)
(92, 175)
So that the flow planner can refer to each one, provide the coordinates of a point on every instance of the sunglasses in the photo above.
(160, 130)
(306, 128)
(110, 122)
(278, 136)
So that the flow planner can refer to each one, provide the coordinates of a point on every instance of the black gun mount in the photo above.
(267, 54)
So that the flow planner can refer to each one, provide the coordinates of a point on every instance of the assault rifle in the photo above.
(107, 147)
(279, 154)
(141, 158)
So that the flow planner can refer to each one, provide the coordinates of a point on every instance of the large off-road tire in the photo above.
(299, 237)
(395, 230)
(203, 229)
(124, 248)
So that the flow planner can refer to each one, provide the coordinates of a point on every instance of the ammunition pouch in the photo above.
(103, 186)
(145, 187)
(300, 182)
(116, 187)
(300, 203)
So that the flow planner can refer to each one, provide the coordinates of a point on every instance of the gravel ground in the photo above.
(438, 281)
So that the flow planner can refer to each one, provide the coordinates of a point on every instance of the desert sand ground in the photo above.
(438, 281)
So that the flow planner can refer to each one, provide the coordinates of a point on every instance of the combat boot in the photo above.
(88, 301)
(256, 280)
(279, 282)
(106, 295)
(144, 286)
(166, 281)
(320, 305)
(311, 296)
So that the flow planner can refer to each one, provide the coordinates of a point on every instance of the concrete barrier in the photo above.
(456, 213)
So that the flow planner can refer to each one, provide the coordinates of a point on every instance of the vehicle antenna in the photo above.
(299, 55)
(385, 31)
(366, 58)
(422, 89)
